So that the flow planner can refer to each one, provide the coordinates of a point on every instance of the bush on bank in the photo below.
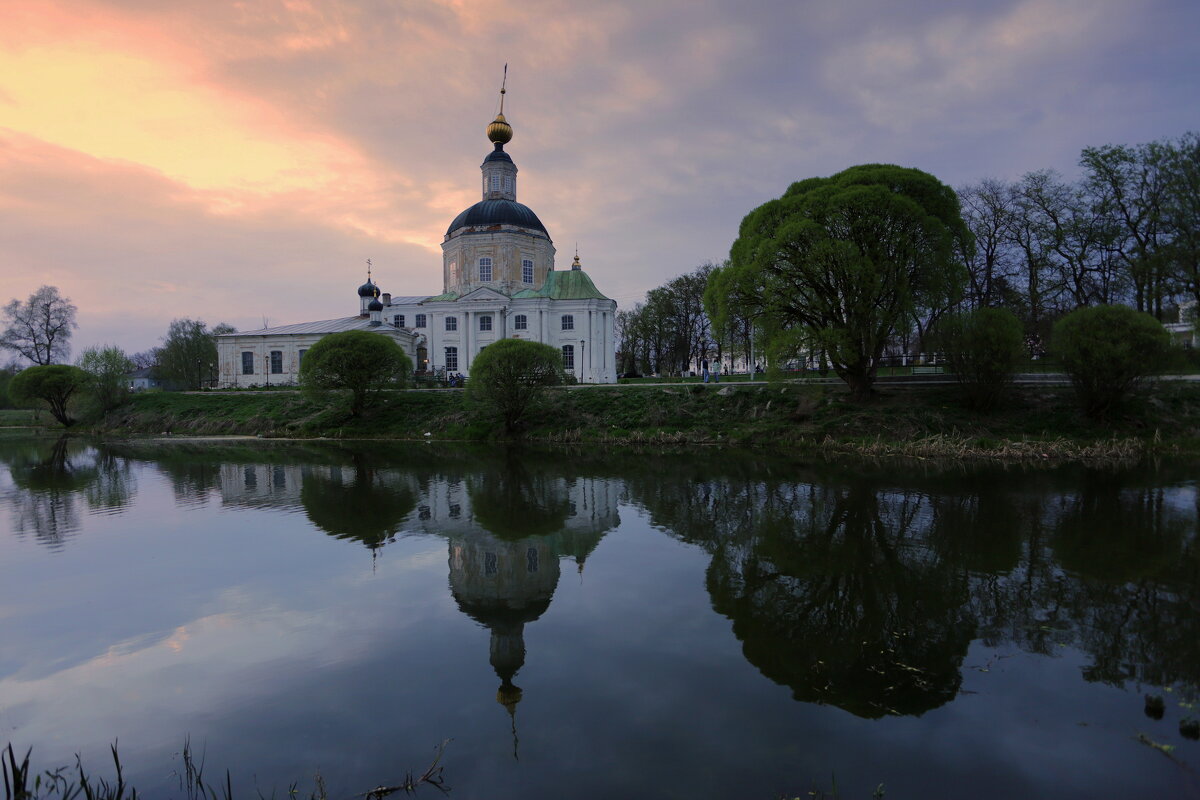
(1106, 351)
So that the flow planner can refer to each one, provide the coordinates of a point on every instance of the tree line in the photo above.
(37, 333)
(849, 271)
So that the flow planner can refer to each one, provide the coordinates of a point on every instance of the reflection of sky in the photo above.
(282, 650)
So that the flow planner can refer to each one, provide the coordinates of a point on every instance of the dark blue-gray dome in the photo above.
(375, 305)
(498, 155)
(368, 289)
(498, 212)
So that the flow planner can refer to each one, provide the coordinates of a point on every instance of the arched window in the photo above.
(485, 269)
(568, 322)
(451, 323)
(520, 322)
(527, 270)
(568, 357)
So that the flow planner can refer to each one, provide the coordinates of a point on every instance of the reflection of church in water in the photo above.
(508, 527)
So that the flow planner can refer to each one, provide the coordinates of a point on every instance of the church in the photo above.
(498, 281)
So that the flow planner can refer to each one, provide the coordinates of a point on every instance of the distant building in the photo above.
(498, 282)
(1183, 330)
(141, 380)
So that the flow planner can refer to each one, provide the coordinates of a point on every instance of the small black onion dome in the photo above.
(375, 305)
(368, 289)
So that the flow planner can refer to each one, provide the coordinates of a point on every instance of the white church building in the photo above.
(498, 280)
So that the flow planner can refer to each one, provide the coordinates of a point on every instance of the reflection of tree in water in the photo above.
(56, 481)
(829, 589)
(366, 507)
(513, 500)
(1136, 600)
(856, 593)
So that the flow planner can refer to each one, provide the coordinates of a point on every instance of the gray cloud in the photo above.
(643, 133)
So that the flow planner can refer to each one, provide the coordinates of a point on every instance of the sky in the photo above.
(239, 161)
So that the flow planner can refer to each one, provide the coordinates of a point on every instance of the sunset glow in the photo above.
(231, 161)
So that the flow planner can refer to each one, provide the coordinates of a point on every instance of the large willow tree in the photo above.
(841, 263)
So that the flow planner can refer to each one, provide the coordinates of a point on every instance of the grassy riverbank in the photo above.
(929, 421)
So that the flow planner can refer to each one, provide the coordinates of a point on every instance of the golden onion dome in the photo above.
(499, 132)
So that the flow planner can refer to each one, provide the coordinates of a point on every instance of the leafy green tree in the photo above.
(6, 375)
(983, 347)
(39, 330)
(360, 362)
(107, 371)
(1106, 350)
(846, 259)
(509, 377)
(53, 384)
(188, 356)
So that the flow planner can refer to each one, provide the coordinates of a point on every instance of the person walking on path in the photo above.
(716, 371)
(704, 369)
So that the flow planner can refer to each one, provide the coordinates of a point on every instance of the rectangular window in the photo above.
(451, 323)
(398, 320)
(485, 269)
(527, 271)
(485, 322)
(420, 321)
(452, 359)
(495, 183)
(247, 363)
(568, 322)
(276, 362)
(301, 356)
(508, 183)
(568, 357)
(520, 322)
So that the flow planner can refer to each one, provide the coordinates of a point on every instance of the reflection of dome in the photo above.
(498, 212)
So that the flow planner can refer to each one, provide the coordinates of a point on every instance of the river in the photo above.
(599, 623)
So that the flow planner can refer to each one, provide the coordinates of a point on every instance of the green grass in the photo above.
(901, 419)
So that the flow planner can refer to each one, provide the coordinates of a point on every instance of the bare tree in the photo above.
(39, 330)
(988, 208)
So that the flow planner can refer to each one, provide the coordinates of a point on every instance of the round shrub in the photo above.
(983, 348)
(360, 362)
(1106, 350)
(508, 378)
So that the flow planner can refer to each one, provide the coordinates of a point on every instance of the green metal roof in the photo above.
(448, 297)
(572, 284)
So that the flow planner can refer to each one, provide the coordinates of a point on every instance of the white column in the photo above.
(431, 344)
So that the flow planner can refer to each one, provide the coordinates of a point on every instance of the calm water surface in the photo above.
(599, 624)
